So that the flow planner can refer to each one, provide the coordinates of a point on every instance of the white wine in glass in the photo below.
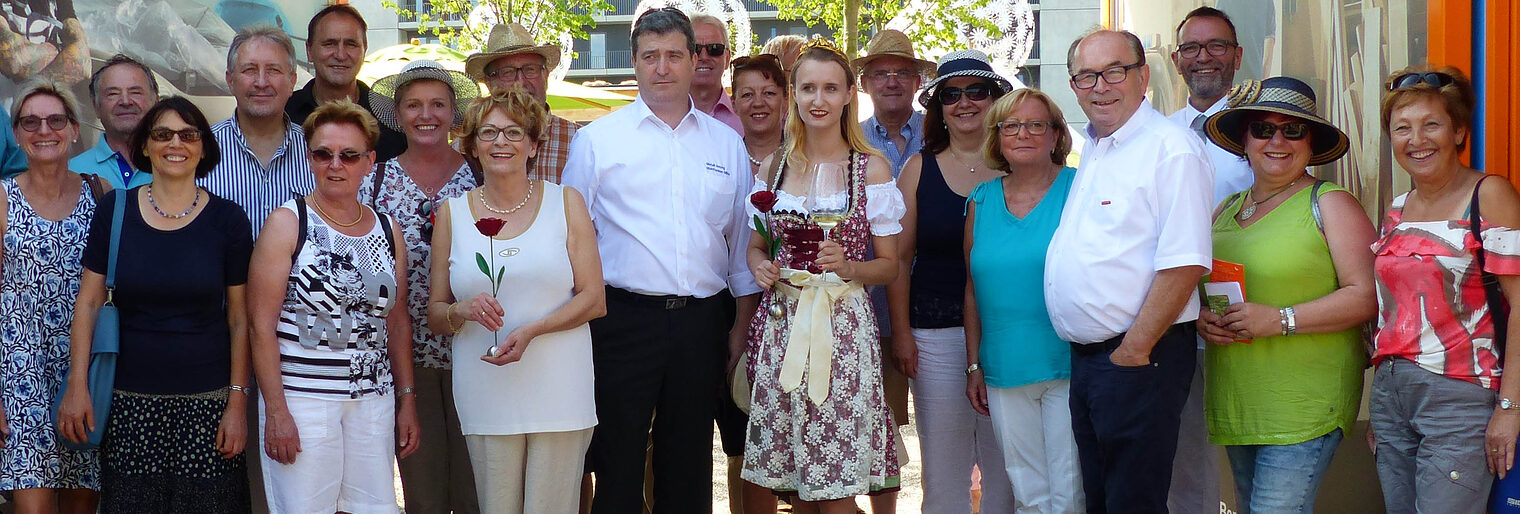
(829, 197)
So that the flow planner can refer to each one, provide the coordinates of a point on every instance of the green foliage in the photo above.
(547, 20)
(943, 25)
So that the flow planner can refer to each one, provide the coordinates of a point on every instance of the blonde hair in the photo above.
(43, 86)
(992, 148)
(1457, 98)
(343, 111)
(516, 103)
(854, 136)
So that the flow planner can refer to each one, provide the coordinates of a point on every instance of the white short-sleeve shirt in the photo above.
(1232, 174)
(1140, 203)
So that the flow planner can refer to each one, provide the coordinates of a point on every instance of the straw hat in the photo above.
(1283, 95)
(382, 95)
(892, 43)
(963, 63)
(509, 39)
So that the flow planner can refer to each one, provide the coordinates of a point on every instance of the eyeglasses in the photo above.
(527, 71)
(1434, 79)
(491, 132)
(713, 49)
(425, 209)
(1012, 128)
(949, 96)
(54, 121)
(1111, 76)
(1292, 131)
(882, 76)
(163, 135)
(347, 157)
(1216, 48)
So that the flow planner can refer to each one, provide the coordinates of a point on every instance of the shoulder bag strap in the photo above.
(119, 212)
(375, 183)
(385, 227)
(96, 190)
(1319, 218)
(1228, 201)
(1495, 297)
(300, 229)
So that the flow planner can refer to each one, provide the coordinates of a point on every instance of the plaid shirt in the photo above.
(554, 149)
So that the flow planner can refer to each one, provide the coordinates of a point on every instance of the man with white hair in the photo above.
(713, 53)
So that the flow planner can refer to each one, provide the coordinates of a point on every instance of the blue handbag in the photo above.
(103, 348)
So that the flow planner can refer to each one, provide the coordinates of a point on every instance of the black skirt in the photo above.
(159, 455)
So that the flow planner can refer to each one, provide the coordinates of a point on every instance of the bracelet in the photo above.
(238, 388)
(403, 391)
(448, 317)
(1292, 323)
(1283, 312)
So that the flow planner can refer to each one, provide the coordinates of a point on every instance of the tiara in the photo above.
(824, 43)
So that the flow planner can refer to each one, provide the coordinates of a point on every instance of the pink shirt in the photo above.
(724, 112)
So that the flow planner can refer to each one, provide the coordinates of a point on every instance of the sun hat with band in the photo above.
(1282, 95)
(509, 39)
(963, 63)
(382, 95)
(892, 43)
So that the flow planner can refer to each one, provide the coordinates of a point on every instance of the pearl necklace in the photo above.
(161, 212)
(482, 193)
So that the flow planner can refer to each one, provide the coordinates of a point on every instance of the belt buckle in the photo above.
(674, 303)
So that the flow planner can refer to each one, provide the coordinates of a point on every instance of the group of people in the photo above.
(503, 302)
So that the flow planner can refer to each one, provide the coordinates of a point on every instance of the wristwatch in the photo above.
(973, 368)
(1506, 404)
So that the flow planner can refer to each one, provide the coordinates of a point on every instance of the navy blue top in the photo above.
(171, 290)
(937, 285)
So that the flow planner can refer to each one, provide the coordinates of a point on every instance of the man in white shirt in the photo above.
(1207, 55)
(666, 186)
(1121, 277)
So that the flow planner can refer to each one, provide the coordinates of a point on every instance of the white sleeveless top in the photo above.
(550, 389)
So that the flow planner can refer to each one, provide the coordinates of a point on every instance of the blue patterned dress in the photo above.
(38, 285)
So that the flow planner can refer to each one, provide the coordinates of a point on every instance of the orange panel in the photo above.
(1450, 31)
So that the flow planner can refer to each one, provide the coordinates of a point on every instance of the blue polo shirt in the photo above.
(105, 163)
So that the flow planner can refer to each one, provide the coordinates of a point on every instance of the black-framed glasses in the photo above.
(713, 49)
(1292, 131)
(347, 157)
(1434, 79)
(527, 71)
(1215, 47)
(34, 123)
(1111, 76)
(489, 133)
(882, 76)
(1012, 128)
(163, 135)
(949, 96)
(425, 210)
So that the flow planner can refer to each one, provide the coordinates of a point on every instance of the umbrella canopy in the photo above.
(562, 96)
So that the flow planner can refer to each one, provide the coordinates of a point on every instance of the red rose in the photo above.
(763, 200)
(489, 227)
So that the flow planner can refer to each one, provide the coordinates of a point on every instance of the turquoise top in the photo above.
(1018, 346)
(105, 163)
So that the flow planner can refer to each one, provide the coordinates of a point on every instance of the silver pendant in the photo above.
(776, 308)
(1246, 212)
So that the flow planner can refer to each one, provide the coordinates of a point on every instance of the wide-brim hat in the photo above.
(382, 95)
(963, 63)
(892, 43)
(1283, 95)
(509, 39)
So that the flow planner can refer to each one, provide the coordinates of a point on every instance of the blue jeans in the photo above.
(1281, 478)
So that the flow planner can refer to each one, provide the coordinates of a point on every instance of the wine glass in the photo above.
(828, 199)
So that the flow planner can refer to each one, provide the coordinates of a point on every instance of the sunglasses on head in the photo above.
(1434, 79)
(348, 157)
(1292, 131)
(949, 96)
(713, 49)
(757, 60)
(34, 123)
(163, 135)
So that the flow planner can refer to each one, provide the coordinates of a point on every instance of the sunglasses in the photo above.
(490, 133)
(347, 157)
(949, 96)
(1434, 79)
(758, 60)
(33, 123)
(1292, 131)
(713, 49)
(425, 209)
(163, 135)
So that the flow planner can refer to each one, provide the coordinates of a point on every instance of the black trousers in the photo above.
(654, 362)
(1126, 420)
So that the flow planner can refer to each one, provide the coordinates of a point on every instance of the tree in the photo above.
(550, 21)
(934, 23)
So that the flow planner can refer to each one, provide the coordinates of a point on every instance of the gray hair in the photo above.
(122, 59)
(266, 32)
(663, 21)
(1129, 37)
(701, 18)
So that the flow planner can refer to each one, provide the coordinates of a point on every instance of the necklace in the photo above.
(334, 221)
(1249, 210)
(161, 212)
(957, 157)
(754, 162)
(482, 193)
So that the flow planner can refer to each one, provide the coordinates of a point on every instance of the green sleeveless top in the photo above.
(1284, 389)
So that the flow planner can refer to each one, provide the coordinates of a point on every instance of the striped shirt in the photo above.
(553, 149)
(240, 176)
(332, 331)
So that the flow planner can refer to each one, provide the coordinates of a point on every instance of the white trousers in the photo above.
(537, 473)
(347, 459)
(951, 436)
(1033, 425)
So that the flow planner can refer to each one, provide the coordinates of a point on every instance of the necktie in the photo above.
(1197, 126)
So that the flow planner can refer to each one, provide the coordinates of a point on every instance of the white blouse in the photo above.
(884, 205)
